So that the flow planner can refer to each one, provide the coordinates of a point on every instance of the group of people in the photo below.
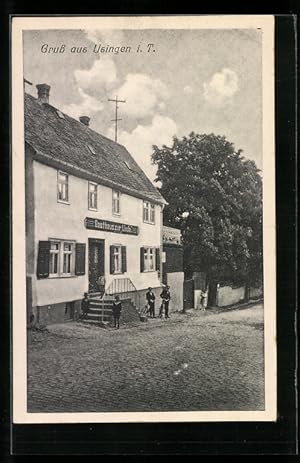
(165, 300)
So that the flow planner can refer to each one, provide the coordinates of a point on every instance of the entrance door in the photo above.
(96, 262)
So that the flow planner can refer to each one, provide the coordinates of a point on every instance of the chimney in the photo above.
(85, 120)
(43, 92)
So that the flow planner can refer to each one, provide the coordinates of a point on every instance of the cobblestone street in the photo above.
(194, 361)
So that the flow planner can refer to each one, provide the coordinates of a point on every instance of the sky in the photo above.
(206, 81)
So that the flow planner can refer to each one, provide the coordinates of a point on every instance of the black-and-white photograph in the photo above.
(143, 178)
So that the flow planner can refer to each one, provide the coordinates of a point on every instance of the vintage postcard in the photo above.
(143, 202)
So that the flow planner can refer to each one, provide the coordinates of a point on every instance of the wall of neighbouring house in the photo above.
(226, 295)
(175, 281)
(174, 260)
(256, 293)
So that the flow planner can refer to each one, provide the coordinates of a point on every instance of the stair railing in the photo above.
(125, 288)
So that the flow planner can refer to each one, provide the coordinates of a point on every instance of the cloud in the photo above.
(93, 87)
(139, 142)
(221, 87)
(86, 107)
(144, 95)
(112, 37)
(188, 90)
(100, 78)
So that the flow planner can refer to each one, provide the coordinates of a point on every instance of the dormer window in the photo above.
(91, 149)
(60, 114)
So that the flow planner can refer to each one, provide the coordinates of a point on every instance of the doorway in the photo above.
(96, 263)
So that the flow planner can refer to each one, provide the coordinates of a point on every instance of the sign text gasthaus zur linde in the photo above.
(107, 225)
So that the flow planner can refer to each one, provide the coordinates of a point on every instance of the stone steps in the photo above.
(100, 312)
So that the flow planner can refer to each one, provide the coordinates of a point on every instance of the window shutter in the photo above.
(124, 259)
(80, 259)
(142, 252)
(112, 267)
(157, 259)
(43, 259)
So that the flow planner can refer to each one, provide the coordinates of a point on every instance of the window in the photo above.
(54, 258)
(149, 259)
(60, 114)
(116, 202)
(62, 187)
(91, 149)
(62, 257)
(148, 212)
(92, 196)
(67, 258)
(118, 259)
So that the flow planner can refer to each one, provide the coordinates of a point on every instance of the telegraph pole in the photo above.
(115, 120)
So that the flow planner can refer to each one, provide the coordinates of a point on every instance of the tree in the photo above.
(214, 196)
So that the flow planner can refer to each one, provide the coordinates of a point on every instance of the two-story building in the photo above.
(93, 218)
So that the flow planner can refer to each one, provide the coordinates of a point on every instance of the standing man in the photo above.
(165, 296)
(150, 296)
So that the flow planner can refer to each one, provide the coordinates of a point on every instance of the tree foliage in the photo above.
(215, 198)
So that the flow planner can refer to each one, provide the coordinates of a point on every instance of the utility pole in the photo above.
(115, 120)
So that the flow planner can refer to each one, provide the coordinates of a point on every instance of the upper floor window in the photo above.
(148, 212)
(92, 196)
(116, 202)
(62, 186)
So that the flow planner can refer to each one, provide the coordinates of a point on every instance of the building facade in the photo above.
(93, 218)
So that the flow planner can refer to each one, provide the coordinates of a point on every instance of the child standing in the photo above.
(117, 309)
(85, 305)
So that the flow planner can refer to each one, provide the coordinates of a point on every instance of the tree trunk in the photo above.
(247, 292)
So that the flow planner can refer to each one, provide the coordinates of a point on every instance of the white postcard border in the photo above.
(19, 354)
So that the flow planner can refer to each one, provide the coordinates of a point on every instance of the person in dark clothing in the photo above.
(117, 309)
(150, 296)
(85, 305)
(165, 296)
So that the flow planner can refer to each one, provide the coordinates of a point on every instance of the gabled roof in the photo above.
(60, 140)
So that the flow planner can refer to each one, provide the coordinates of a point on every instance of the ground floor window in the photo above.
(148, 259)
(54, 258)
(118, 259)
(60, 258)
